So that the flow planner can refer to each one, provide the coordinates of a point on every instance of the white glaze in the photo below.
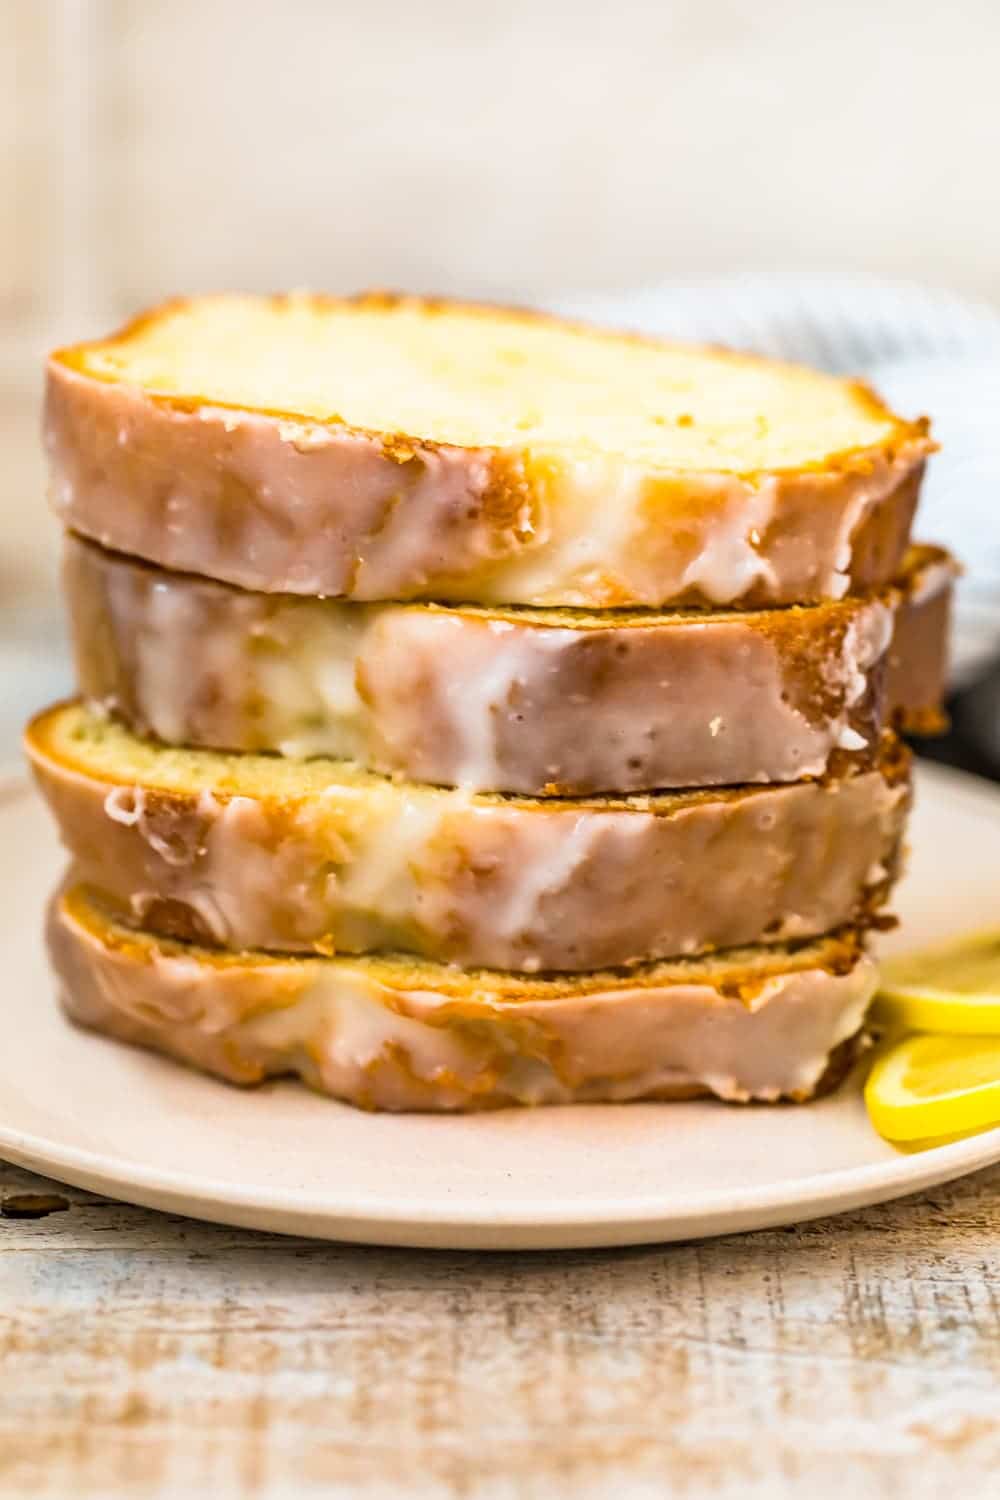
(476, 701)
(728, 563)
(589, 514)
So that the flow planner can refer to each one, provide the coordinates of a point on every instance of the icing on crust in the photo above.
(536, 702)
(253, 852)
(382, 1036)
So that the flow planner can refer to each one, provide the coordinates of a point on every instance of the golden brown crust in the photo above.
(404, 446)
(738, 973)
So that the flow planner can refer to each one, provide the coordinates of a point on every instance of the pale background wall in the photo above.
(509, 149)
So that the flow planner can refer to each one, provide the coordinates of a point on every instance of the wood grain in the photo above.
(147, 1355)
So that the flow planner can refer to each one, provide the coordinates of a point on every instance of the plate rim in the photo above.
(908, 1172)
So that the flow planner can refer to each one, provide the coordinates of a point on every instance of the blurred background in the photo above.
(616, 159)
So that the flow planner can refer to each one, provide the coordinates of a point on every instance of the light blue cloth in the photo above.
(927, 351)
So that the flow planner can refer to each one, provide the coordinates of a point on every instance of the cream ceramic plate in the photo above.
(104, 1116)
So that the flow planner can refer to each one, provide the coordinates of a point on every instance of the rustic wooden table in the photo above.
(142, 1355)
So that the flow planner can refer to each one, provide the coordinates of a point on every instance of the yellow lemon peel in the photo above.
(935, 1085)
(954, 987)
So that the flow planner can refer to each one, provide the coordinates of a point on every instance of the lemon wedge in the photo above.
(935, 1085)
(953, 988)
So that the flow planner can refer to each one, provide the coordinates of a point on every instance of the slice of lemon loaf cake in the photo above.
(394, 448)
(541, 702)
(392, 1032)
(252, 851)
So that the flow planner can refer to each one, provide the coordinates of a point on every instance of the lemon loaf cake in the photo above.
(539, 702)
(395, 448)
(251, 851)
(397, 1033)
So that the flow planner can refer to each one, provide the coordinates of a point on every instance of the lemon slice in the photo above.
(935, 1085)
(954, 988)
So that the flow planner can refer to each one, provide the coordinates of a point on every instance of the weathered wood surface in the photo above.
(153, 1356)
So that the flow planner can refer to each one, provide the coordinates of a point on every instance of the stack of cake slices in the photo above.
(476, 708)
